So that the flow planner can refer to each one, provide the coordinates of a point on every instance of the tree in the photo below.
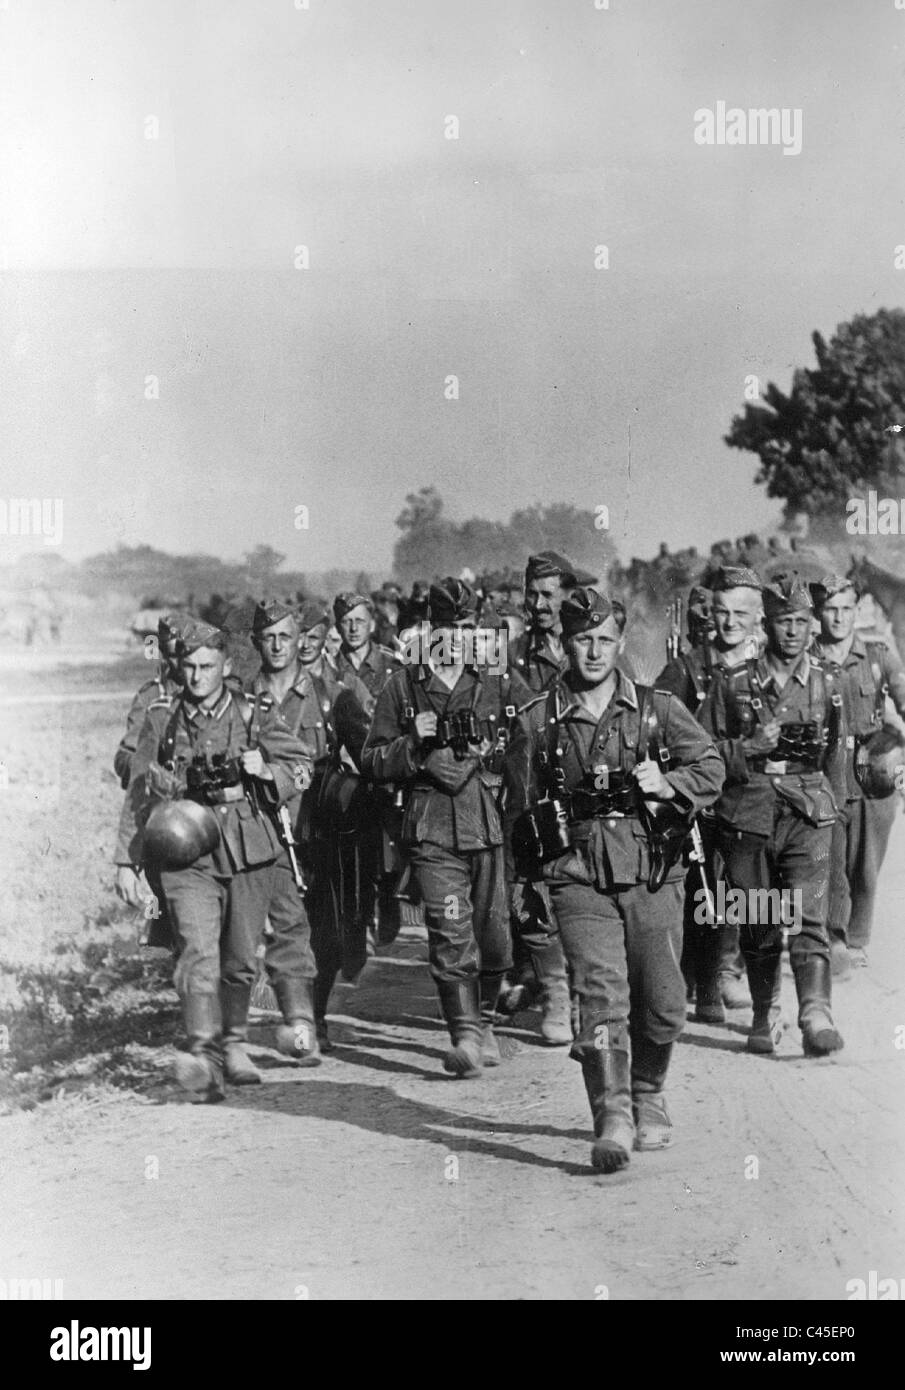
(261, 565)
(830, 436)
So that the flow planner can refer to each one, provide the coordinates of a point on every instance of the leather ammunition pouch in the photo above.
(541, 834)
(809, 797)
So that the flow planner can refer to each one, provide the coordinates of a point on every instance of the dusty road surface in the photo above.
(375, 1176)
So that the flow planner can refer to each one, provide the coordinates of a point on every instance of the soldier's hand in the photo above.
(253, 763)
(425, 726)
(130, 886)
(650, 778)
(764, 739)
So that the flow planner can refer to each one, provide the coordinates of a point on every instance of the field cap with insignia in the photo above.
(171, 626)
(736, 577)
(451, 601)
(270, 611)
(828, 586)
(312, 613)
(786, 593)
(547, 564)
(198, 634)
(347, 600)
(583, 610)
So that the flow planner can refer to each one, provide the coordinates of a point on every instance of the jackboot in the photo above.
(765, 980)
(234, 1002)
(200, 1070)
(296, 1037)
(323, 988)
(606, 1069)
(732, 970)
(708, 998)
(552, 976)
(650, 1063)
(490, 995)
(460, 1001)
(813, 982)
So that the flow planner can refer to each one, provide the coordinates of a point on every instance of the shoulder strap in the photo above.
(876, 652)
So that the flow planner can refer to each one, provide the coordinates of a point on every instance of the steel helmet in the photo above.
(879, 761)
(179, 832)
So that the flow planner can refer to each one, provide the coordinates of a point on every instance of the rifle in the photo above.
(675, 613)
(696, 855)
(284, 830)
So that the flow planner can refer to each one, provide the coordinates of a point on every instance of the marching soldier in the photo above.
(440, 728)
(205, 769)
(592, 758)
(536, 661)
(359, 655)
(329, 719)
(288, 958)
(167, 682)
(711, 958)
(867, 672)
(778, 721)
(361, 661)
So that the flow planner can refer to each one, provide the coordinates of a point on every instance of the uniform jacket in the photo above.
(749, 797)
(614, 849)
(452, 803)
(531, 659)
(247, 838)
(868, 667)
(155, 689)
(379, 663)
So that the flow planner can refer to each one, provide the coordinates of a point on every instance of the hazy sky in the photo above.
(128, 257)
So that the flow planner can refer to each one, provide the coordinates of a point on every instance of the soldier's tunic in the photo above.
(217, 906)
(533, 661)
(372, 671)
(452, 829)
(622, 942)
(158, 688)
(861, 834)
(688, 677)
(763, 834)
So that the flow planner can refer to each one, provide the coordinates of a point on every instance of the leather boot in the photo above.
(490, 994)
(731, 970)
(813, 982)
(235, 1001)
(200, 1070)
(323, 988)
(553, 980)
(606, 1068)
(650, 1063)
(460, 1001)
(765, 979)
(297, 1035)
(709, 1001)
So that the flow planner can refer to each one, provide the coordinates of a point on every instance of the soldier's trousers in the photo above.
(465, 910)
(707, 949)
(624, 950)
(288, 953)
(860, 839)
(795, 857)
(217, 923)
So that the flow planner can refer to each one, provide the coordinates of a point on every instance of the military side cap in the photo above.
(270, 611)
(347, 600)
(585, 580)
(170, 627)
(547, 564)
(828, 585)
(451, 600)
(786, 593)
(199, 634)
(312, 613)
(736, 577)
(584, 609)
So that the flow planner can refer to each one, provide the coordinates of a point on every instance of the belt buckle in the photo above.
(775, 769)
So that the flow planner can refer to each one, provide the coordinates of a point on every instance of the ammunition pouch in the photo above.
(541, 834)
(809, 797)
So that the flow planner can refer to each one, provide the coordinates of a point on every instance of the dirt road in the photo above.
(375, 1176)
